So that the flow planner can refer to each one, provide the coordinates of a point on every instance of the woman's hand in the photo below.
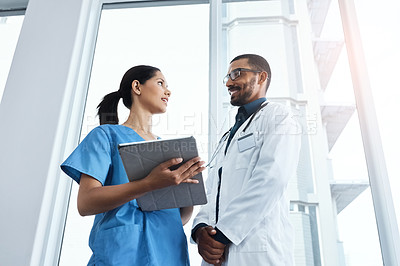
(94, 198)
(162, 175)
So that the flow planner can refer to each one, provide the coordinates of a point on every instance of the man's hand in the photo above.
(211, 250)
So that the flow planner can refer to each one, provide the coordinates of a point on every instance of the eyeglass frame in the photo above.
(239, 69)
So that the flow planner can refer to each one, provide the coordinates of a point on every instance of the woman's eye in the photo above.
(160, 83)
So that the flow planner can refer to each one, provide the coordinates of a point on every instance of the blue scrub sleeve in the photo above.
(91, 157)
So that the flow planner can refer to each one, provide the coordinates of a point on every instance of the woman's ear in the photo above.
(136, 87)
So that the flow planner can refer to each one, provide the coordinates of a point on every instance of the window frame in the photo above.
(46, 244)
(93, 12)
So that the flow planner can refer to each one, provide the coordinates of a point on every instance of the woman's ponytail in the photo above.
(108, 108)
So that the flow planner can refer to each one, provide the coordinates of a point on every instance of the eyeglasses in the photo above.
(236, 73)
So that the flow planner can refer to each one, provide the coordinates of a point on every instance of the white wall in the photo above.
(34, 113)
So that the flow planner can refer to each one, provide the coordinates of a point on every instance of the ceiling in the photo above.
(8, 5)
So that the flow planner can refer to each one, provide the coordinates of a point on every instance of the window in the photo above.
(358, 238)
(178, 45)
(332, 178)
(9, 32)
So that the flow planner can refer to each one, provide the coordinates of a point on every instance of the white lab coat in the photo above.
(253, 208)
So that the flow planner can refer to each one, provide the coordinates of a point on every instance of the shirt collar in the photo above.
(249, 108)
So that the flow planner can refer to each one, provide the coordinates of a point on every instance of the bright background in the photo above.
(378, 24)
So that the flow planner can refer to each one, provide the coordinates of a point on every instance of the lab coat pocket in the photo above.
(246, 142)
(246, 146)
(122, 245)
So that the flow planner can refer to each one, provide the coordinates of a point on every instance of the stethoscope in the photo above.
(226, 134)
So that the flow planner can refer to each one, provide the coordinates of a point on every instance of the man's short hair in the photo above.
(258, 63)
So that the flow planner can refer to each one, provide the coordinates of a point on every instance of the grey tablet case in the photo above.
(139, 158)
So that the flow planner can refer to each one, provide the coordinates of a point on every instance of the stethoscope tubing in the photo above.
(226, 134)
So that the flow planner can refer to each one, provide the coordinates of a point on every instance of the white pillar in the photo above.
(40, 115)
(318, 143)
(378, 176)
(215, 80)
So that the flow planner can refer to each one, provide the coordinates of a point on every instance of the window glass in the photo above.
(267, 28)
(179, 46)
(380, 43)
(357, 229)
(172, 38)
(10, 28)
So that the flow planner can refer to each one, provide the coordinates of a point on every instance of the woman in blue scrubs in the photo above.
(122, 234)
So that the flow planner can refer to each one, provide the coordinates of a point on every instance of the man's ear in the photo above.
(263, 77)
(136, 87)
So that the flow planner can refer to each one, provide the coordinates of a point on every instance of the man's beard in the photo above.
(248, 89)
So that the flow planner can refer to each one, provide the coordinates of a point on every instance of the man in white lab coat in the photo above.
(246, 219)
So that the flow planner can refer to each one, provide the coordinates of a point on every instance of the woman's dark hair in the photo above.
(108, 107)
(258, 63)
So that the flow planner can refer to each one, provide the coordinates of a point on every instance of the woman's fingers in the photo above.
(172, 173)
(187, 165)
(187, 170)
(193, 170)
(169, 163)
(190, 181)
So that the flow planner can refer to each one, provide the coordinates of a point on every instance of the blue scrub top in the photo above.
(125, 235)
